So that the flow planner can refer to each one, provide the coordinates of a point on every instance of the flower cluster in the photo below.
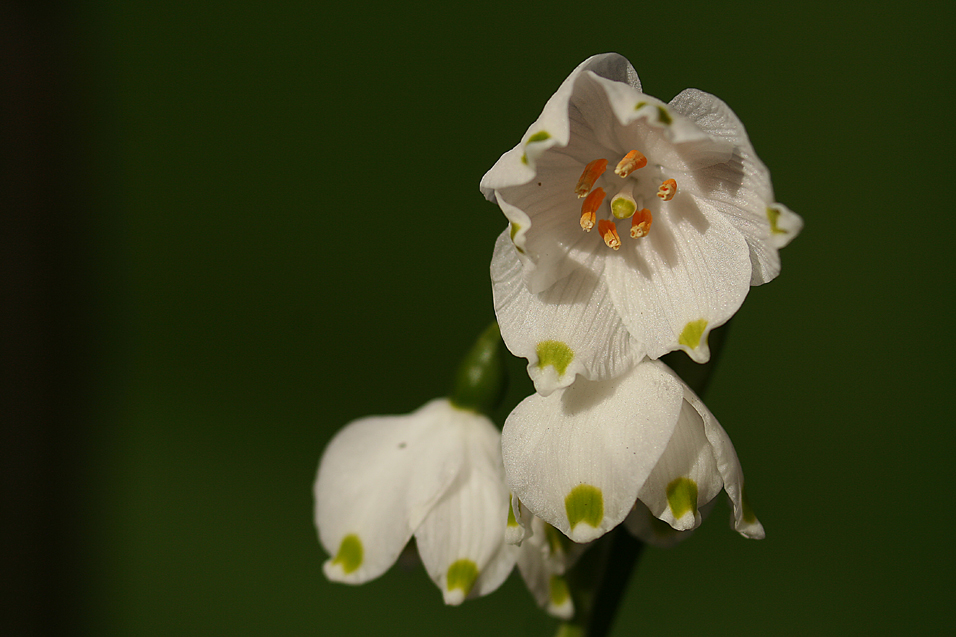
(635, 228)
(686, 223)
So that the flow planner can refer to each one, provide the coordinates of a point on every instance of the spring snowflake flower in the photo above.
(581, 457)
(435, 473)
(636, 226)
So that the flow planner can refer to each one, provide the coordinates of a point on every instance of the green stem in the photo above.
(598, 581)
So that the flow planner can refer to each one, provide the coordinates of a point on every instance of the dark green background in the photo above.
(282, 232)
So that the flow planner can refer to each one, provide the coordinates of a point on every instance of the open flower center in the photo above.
(638, 187)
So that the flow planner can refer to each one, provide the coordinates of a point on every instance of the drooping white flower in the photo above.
(544, 558)
(435, 473)
(683, 216)
(581, 457)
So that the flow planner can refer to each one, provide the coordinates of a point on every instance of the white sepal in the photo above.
(378, 479)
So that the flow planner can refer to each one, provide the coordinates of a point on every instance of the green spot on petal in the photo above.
(524, 159)
(349, 556)
(773, 215)
(462, 575)
(682, 496)
(663, 116)
(511, 514)
(639, 106)
(690, 336)
(748, 513)
(515, 228)
(540, 136)
(584, 504)
(558, 590)
(556, 354)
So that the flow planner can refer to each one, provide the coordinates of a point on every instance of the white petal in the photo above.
(461, 542)
(510, 170)
(785, 224)
(663, 134)
(744, 521)
(571, 328)
(685, 478)
(542, 574)
(740, 188)
(577, 458)
(519, 526)
(535, 188)
(377, 480)
(689, 275)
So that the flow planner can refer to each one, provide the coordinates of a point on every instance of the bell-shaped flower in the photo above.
(581, 457)
(435, 473)
(636, 226)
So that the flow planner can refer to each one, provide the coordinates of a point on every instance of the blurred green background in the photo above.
(265, 222)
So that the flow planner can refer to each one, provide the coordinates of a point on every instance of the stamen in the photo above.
(590, 175)
(609, 232)
(590, 206)
(667, 190)
(641, 223)
(631, 162)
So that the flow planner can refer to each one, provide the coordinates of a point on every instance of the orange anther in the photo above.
(667, 190)
(609, 232)
(641, 223)
(590, 175)
(589, 208)
(631, 162)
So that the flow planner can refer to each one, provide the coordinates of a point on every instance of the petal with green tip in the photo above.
(686, 477)
(567, 330)
(697, 272)
(463, 535)
(607, 435)
(378, 479)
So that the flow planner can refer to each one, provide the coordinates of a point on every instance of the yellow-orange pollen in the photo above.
(594, 199)
(641, 223)
(609, 233)
(589, 208)
(631, 162)
(667, 190)
(590, 175)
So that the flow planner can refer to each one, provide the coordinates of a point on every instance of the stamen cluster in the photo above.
(623, 205)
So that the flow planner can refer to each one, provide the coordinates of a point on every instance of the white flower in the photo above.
(435, 473)
(685, 222)
(581, 457)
